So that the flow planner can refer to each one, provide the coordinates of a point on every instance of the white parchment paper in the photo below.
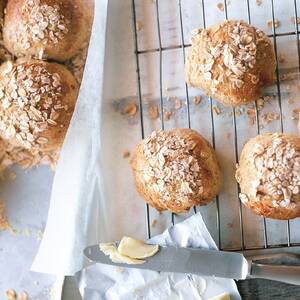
(115, 283)
(73, 219)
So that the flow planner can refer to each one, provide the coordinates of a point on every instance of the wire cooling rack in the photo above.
(181, 46)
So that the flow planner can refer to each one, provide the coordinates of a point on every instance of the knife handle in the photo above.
(278, 272)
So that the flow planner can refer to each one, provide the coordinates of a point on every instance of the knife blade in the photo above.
(184, 260)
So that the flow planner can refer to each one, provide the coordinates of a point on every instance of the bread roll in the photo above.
(52, 29)
(269, 175)
(231, 62)
(37, 100)
(175, 170)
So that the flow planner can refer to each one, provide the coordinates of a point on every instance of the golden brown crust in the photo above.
(37, 100)
(231, 62)
(269, 175)
(176, 170)
(53, 29)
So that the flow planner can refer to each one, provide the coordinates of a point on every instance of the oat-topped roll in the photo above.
(175, 170)
(231, 62)
(37, 100)
(46, 28)
(269, 175)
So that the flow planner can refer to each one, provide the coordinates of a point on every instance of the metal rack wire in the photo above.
(183, 47)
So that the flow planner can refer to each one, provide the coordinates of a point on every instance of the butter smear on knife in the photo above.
(130, 251)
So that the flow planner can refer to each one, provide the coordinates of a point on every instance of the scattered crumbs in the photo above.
(290, 101)
(167, 115)
(238, 112)
(178, 103)
(270, 117)
(260, 103)
(220, 6)
(39, 235)
(276, 23)
(295, 114)
(27, 232)
(230, 225)
(251, 113)
(23, 296)
(12, 176)
(3, 219)
(294, 20)
(281, 58)
(13, 231)
(153, 112)
(119, 269)
(130, 109)
(217, 110)
(139, 25)
(288, 76)
(11, 294)
(197, 100)
(227, 135)
(153, 223)
(258, 2)
(126, 154)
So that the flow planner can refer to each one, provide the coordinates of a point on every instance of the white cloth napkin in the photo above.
(114, 283)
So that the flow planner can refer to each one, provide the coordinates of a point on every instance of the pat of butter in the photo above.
(223, 296)
(116, 257)
(136, 249)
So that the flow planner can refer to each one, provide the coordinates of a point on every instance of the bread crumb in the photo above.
(130, 109)
(281, 58)
(276, 23)
(3, 219)
(126, 154)
(139, 25)
(220, 6)
(295, 114)
(251, 113)
(23, 296)
(294, 20)
(119, 269)
(167, 115)
(258, 2)
(11, 294)
(178, 103)
(153, 112)
(217, 110)
(197, 100)
(290, 101)
(153, 223)
(227, 135)
(12, 176)
(270, 117)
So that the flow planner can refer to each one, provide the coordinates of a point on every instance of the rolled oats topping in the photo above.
(230, 58)
(42, 23)
(30, 101)
(173, 166)
(278, 172)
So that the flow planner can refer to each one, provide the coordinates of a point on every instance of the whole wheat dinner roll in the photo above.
(231, 62)
(37, 100)
(269, 175)
(175, 170)
(55, 29)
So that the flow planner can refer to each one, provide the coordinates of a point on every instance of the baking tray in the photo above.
(150, 41)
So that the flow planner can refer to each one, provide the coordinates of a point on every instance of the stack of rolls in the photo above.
(38, 92)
